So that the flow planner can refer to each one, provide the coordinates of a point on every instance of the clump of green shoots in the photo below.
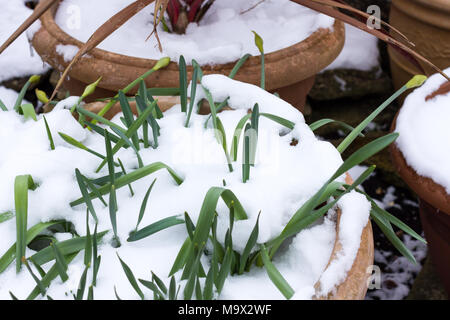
(202, 282)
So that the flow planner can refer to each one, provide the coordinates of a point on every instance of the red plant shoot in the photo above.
(181, 13)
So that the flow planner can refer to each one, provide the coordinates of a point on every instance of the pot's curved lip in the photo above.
(426, 188)
(435, 4)
(48, 22)
(354, 287)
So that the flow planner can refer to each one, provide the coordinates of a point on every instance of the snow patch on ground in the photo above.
(19, 59)
(360, 51)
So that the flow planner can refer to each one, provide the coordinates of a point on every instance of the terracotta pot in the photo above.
(289, 71)
(355, 285)
(427, 24)
(434, 213)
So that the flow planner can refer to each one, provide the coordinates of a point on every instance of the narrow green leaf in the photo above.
(130, 144)
(183, 83)
(2, 106)
(164, 91)
(172, 289)
(21, 95)
(94, 190)
(223, 142)
(150, 285)
(355, 132)
(322, 122)
(35, 278)
(182, 256)
(131, 278)
(236, 136)
(28, 111)
(79, 145)
(392, 237)
(21, 186)
(190, 227)
(88, 246)
(251, 242)
(159, 282)
(85, 194)
(284, 122)
(144, 204)
(60, 263)
(124, 180)
(49, 134)
(131, 130)
(31, 234)
(82, 285)
(49, 277)
(67, 247)
(224, 271)
(192, 97)
(13, 297)
(274, 275)
(154, 228)
(6, 216)
(238, 65)
(129, 119)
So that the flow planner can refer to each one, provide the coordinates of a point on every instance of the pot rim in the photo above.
(426, 188)
(49, 24)
(435, 4)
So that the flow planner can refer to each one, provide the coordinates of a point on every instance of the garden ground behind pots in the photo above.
(400, 279)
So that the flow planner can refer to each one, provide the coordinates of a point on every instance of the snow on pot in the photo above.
(329, 257)
(421, 158)
(270, 215)
(431, 17)
(298, 43)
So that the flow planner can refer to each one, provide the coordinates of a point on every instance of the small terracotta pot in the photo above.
(427, 24)
(354, 287)
(434, 213)
(289, 71)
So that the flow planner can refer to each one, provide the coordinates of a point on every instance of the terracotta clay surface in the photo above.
(355, 285)
(427, 24)
(434, 212)
(284, 68)
(436, 225)
(425, 188)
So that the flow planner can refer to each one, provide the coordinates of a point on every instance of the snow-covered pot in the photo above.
(355, 284)
(290, 71)
(329, 258)
(421, 157)
(432, 18)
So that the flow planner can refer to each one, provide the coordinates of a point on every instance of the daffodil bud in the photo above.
(91, 88)
(416, 81)
(163, 62)
(41, 95)
(34, 79)
(259, 42)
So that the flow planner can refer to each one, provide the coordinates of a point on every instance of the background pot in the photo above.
(434, 213)
(289, 71)
(427, 24)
